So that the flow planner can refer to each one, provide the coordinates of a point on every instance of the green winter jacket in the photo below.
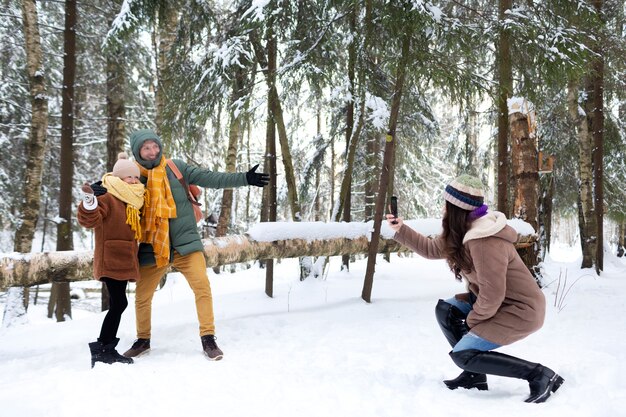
(184, 236)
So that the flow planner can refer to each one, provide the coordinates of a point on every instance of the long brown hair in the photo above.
(455, 224)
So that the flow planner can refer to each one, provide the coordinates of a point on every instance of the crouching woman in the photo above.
(504, 303)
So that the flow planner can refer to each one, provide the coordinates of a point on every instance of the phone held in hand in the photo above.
(393, 208)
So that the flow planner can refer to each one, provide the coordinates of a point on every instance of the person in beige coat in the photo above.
(504, 303)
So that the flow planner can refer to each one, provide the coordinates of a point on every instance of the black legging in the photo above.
(117, 305)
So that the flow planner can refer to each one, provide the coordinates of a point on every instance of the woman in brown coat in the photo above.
(504, 303)
(115, 218)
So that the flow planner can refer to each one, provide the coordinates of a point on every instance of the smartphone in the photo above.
(393, 207)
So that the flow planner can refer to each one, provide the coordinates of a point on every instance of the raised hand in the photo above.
(98, 189)
(89, 199)
(258, 179)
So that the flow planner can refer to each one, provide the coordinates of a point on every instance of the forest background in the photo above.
(310, 89)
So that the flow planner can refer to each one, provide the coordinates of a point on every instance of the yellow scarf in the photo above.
(131, 194)
(159, 208)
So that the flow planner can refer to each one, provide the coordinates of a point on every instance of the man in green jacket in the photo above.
(170, 236)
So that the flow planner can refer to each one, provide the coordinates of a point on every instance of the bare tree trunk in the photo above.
(116, 118)
(270, 145)
(317, 203)
(525, 177)
(373, 163)
(277, 113)
(373, 139)
(505, 86)
(621, 239)
(44, 267)
(270, 204)
(235, 132)
(267, 59)
(524, 169)
(471, 139)
(547, 187)
(166, 30)
(31, 201)
(387, 161)
(597, 132)
(64, 228)
(586, 218)
(345, 195)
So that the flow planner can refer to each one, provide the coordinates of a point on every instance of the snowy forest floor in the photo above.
(318, 349)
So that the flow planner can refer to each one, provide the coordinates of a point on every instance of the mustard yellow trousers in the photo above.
(193, 267)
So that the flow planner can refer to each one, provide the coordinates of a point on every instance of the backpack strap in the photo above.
(180, 178)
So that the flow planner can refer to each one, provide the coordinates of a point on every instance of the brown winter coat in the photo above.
(115, 253)
(510, 304)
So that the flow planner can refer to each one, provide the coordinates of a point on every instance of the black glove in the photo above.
(259, 179)
(98, 189)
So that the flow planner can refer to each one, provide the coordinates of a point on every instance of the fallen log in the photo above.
(25, 270)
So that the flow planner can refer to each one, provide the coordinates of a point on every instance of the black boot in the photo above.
(543, 381)
(468, 380)
(106, 353)
(452, 323)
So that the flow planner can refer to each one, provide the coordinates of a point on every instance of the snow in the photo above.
(317, 349)
(379, 112)
(519, 105)
(256, 10)
(271, 232)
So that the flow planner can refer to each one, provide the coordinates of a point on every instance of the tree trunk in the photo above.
(270, 203)
(597, 132)
(586, 216)
(372, 159)
(366, 294)
(524, 167)
(234, 134)
(31, 202)
(621, 239)
(547, 187)
(267, 64)
(505, 87)
(373, 162)
(317, 200)
(524, 170)
(166, 30)
(44, 267)
(17, 303)
(64, 228)
(471, 139)
(345, 195)
(116, 118)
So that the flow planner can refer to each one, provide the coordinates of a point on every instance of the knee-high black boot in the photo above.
(452, 323)
(542, 380)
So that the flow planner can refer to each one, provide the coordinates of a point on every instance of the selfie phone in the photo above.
(393, 208)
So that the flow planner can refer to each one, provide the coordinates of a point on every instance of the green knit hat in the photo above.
(137, 139)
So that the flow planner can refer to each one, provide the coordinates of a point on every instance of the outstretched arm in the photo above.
(418, 243)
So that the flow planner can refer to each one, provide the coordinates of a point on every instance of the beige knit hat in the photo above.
(465, 192)
(124, 167)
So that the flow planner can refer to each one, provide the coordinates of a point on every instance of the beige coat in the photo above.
(510, 305)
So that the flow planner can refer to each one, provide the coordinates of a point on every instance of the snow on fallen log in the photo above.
(262, 241)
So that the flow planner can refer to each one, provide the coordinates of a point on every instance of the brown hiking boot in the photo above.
(138, 348)
(210, 348)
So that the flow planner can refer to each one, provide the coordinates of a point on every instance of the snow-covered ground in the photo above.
(317, 349)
